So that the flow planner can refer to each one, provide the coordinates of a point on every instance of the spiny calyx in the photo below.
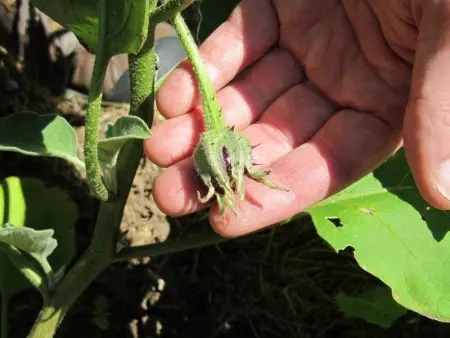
(222, 158)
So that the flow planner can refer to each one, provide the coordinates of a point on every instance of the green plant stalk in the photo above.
(94, 176)
(102, 248)
(223, 157)
(142, 83)
(169, 247)
(97, 257)
(182, 244)
(211, 110)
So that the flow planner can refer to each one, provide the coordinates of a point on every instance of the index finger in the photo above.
(248, 34)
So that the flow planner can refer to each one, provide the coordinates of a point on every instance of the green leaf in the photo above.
(126, 128)
(38, 243)
(32, 134)
(375, 306)
(27, 202)
(127, 22)
(396, 236)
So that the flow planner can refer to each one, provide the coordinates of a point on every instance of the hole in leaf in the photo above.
(336, 221)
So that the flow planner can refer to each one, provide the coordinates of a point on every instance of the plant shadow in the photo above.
(396, 176)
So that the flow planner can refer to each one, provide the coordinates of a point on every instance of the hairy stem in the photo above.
(94, 176)
(211, 110)
(172, 246)
(168, 9)
(95, 259)
(102, 248)
(142, 83)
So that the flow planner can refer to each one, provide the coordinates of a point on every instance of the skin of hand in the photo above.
(327, 89)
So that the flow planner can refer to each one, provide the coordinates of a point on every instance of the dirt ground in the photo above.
(278, 283)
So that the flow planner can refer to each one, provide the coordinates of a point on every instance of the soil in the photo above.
(278, 283)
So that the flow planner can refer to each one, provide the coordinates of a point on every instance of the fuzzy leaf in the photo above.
(375, 306)
(22, 204)
(38, 243)
(127, 23)
(126, 128)
(32, 134)
(396, 236)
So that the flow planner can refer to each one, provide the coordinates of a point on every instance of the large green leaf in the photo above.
(375, 306)
(126, 128)
(39, 135)
(396, 236)
(27, 202)
(127, 22)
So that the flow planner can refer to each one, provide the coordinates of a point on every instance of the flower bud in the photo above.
(222, 158)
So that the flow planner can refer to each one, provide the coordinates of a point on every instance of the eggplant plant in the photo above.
(394, 233)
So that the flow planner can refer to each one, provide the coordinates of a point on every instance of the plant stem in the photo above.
(211, 110)
(95, 259)
(142, 84)
(94, 177)
(168, 9)
(102, 248)
(49, 319)
(172, 246)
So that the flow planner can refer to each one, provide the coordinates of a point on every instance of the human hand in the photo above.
(329, 94)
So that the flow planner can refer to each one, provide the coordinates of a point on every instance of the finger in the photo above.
(246, 36)
(175, 190)
(348, 146)
(242, 103)
(291, 120)
(427, 120)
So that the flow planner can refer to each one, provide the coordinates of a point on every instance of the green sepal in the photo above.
(223, 158)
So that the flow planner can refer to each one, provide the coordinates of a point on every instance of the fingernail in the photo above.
(443, 180)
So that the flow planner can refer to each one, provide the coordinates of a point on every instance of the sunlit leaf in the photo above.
(127, 22)
(396, 236)
(34, 209)
(37, 243)
(32, 134)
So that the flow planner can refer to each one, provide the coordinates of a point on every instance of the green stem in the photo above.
(211, 109)
(47, 322)
(182, 244)
(172, 246)
(142, 83)
(102, 248)
(93, 173)
(168, 9)
(97, 257)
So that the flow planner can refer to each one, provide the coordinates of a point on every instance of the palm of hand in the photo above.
(325, 98)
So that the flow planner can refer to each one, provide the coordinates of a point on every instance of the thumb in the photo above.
(427, 120)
